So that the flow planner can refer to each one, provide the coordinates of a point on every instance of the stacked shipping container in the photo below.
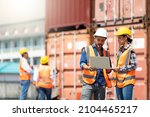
(64, 51)
(64, 48)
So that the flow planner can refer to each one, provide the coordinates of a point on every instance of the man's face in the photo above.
(122, 40)
(99, 41)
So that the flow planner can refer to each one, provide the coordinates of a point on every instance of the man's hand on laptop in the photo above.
(88, 67)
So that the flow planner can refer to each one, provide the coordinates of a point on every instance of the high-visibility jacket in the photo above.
(24, 75)
(44, 77)
(89, 77)
(125, 78)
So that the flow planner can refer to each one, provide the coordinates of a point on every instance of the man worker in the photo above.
(43, 79)
(124, 72)
(25, 73)
(94, 80)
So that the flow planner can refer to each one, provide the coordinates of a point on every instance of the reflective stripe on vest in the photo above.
(44, 77)
(125, 78)
(87, 76)
(24, 75)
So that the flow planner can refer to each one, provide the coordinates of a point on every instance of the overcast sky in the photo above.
(15, 11)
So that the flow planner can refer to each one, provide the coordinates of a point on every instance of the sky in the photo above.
(16, 11)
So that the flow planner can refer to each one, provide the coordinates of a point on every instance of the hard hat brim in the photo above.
(99, 36)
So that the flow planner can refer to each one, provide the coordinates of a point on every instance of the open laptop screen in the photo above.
(100, 62)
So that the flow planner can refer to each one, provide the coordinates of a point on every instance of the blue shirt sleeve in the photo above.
(83, 59)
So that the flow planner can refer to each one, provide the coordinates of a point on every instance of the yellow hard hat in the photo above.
(23, 50)
(123, 31)
(44, 60)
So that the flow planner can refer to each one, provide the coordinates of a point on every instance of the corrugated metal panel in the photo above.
(119, 9)
(69, 93)
(60, 49)
(127, 9)
(62, 13)
(67, 81)
(141, 79)
(82, 40)
(68, 75)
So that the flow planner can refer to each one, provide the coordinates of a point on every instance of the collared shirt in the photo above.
(83, 60)
(132, 62)
(25, 65)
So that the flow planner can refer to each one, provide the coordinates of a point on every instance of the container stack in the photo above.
(70, 25)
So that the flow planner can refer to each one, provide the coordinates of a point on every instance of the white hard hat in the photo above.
(101, 32)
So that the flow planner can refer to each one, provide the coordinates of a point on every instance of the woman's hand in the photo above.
(115, 69)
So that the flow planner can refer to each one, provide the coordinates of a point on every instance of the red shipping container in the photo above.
(82, 40)
(140, 90)
(69, 93)
(110, 9)
(69, 61)
(63, 13)
(141, 71)
(69, 78)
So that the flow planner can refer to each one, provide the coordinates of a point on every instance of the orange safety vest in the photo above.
(44, 77)
(24, 75)
(89, 77)
(123, 79)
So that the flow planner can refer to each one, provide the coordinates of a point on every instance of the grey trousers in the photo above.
(95, 92)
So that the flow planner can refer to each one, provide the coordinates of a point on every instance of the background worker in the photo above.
(124, 72)
(43, 79)
(94, 80)
(25, 73)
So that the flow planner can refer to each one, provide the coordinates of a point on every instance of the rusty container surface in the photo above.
(114, 10)
(60, 48)
(69, 95)
(64, 51)
(63, 13)
(64, 48)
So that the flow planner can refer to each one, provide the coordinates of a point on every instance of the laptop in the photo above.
(100, 62)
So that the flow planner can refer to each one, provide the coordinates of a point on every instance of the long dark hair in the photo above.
(128, 38)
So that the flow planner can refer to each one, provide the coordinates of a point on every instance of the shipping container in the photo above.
(64, 13)
(66, 59)
(64, 48)
(113, 12)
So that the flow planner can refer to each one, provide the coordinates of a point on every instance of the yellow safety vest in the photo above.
(123, 79)
(89, 77)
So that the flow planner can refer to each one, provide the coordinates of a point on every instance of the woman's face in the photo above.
(122, 40)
